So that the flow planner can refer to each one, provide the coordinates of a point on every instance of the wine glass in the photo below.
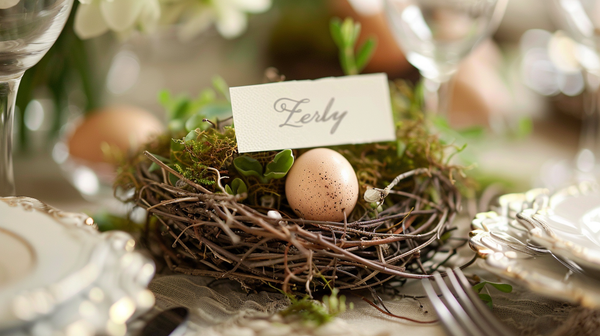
(28, 28)
(436, 35)
(581, 20)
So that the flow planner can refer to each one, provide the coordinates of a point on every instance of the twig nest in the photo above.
(322, 185)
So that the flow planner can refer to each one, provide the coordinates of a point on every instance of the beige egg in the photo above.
(322, 185)
(124, 127)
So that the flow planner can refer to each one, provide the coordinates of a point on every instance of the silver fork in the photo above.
(459, 309)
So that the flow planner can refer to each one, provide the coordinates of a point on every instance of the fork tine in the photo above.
(455, 308)
(468, 305)
(448, 321)
(478, 308)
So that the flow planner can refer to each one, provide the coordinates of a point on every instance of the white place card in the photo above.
(312, 113)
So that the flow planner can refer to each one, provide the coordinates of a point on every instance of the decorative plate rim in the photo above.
(544, 235)
(110, 265)
(503, 256)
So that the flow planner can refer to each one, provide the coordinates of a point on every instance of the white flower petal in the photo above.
(252, 6)
(87, 2)
(367, 7)
(89, 21)
(196, 24)
(149, 16)
(231, 23)
(121, 15)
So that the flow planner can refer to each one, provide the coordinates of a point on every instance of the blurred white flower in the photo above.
(95, 17)
(367, 7)
(195, 16)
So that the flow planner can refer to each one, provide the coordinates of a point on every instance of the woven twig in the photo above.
(213, 234)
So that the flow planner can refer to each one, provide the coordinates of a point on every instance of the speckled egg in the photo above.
(322, 185)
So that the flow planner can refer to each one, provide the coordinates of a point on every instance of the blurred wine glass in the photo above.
(28, 28)
(581, 20)
(436, 35)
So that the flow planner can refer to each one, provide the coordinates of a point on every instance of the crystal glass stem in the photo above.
(437, 95)
(589, 145)
(8, 95)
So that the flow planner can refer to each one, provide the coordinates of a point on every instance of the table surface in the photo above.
(39, 177)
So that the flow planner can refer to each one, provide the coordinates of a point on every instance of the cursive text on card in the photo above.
(296, 118)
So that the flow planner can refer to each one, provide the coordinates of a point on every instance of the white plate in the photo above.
(568, 223)
(53, 263)
(49, 248)
(499, 239)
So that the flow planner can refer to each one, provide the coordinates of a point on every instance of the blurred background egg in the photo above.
(122, 127)
(82, 154)
(322, 185)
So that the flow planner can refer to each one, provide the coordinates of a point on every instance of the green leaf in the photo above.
(164, 98)
(335, 27)
(210, 111)
(365, 52)
(441, 123)
(196, 121)
(228, 190)
(479, 286)
(356, 34)
(216, 110)
(180, 108)
(221, 86)
(238, 186)
(486, 299)
(506, 288)
(345, 64)
(176, 126)
(347, 31)
(176, 146)
(472, 132)
(205, 97)
(173, 179)
(154, 166)
(248, 166)
(446, 235)
(192, 135)
(524, 127)
(281, 164)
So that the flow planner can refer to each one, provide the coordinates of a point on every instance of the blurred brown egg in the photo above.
(479, 96)
(322, 185)
(123, 127)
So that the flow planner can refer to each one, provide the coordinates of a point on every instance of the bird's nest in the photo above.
(213, 234)
(402, 221)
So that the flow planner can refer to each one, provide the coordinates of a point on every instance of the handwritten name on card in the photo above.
(323, 112)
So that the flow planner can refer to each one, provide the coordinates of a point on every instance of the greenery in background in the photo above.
(345, 35)
(66, 67)
(186, 114)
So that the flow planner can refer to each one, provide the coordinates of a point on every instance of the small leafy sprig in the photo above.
(345, 35)
(237, 187)
(486, 297)
(277, 168)
(309, 311)
(187, 114)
